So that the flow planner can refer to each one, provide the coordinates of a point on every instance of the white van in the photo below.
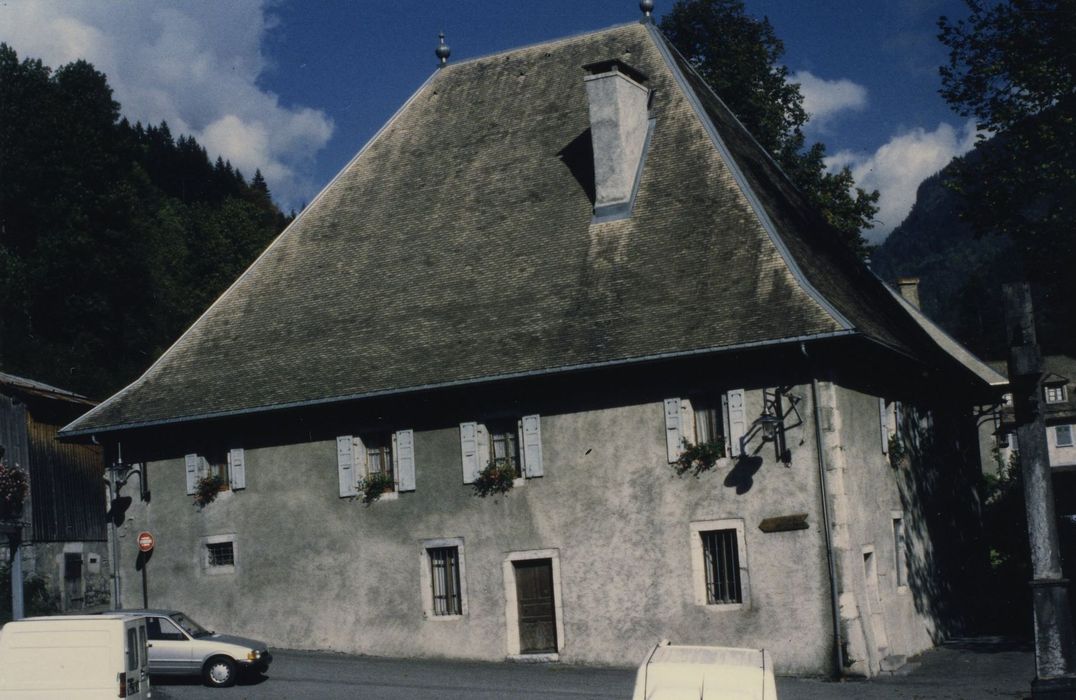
(74, 656)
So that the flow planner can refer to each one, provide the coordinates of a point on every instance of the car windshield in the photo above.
(190, 626)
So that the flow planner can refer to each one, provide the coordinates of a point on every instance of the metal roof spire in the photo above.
(647, 6)
(443, 51)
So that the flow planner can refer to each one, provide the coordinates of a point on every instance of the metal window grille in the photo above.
(220, 554)
(445, 580)
(722, 558)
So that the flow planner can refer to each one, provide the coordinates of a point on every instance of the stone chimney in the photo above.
(619, 130)
(909, 289)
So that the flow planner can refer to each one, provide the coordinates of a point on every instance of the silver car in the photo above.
(179, 646)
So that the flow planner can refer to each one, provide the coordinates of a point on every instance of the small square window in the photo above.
(1055, 394)
(219, 554)
(1063, 435)
(721, 561)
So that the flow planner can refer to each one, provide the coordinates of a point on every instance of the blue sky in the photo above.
(296, 87)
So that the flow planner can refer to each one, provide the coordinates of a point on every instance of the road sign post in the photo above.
(146, 543)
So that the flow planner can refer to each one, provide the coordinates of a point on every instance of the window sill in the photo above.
(390, 496)
(534, 658)
(724, 607)
(219, 570)
(443, 618)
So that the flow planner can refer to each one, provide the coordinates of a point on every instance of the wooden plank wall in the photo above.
(68, 488)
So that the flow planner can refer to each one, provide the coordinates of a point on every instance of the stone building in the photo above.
(564, 266)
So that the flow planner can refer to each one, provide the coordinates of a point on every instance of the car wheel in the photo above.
(219, 672)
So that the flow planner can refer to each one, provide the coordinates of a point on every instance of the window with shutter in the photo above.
(674, 439)
(469, 451)
(237, 462)
(405, 459)
(345, 466)
(737, 420)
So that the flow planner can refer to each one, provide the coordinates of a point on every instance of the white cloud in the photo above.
(824, 98)
(193, 64)
(898, 166)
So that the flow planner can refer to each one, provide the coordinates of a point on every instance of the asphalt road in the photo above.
(963, 670)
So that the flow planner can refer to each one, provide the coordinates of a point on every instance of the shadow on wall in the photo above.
(742, 476)
(949, 579)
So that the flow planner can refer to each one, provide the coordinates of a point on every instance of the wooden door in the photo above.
(73, 597)
(537, 613)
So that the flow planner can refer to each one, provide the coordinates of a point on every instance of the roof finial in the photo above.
(443, 51)
(647, 6)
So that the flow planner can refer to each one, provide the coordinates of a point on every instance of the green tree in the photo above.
(1012, 68)
(739, 57)
(113, 237)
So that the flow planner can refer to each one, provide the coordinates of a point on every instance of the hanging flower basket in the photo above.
(699, 458)
(207, 489)
(497, 478)
(13, 488)
(374, 485)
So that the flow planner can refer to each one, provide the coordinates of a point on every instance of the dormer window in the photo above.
(1056, 394)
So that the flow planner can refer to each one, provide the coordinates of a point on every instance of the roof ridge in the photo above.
(537, 44)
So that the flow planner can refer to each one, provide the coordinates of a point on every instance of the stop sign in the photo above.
(145, 542)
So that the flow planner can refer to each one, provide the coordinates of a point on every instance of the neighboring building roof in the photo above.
(29, 387)
(979, 368)
(458, 247)
(1058, 367)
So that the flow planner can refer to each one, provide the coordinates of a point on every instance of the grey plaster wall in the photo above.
(869, 491)
(315, 571)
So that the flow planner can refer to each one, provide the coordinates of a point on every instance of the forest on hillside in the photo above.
(114, 237)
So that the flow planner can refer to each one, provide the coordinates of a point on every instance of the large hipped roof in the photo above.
(458, 247)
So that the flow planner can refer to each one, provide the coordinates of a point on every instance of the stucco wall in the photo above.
(318, 572)
(889, 619)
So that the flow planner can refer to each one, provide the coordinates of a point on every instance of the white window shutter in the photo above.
(192, 473)
(737, 413)
(345, 465)
(673, 440)
(469, 451)
(883, 422)
(532, 446)
(237, 468)
(361, 459)
(481, 437)
(687, 423)
(404, 454)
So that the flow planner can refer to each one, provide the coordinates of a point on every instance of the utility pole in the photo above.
(1055, 661)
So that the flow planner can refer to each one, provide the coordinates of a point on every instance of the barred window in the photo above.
(721, 560)
(220, 554)
(445, 580)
